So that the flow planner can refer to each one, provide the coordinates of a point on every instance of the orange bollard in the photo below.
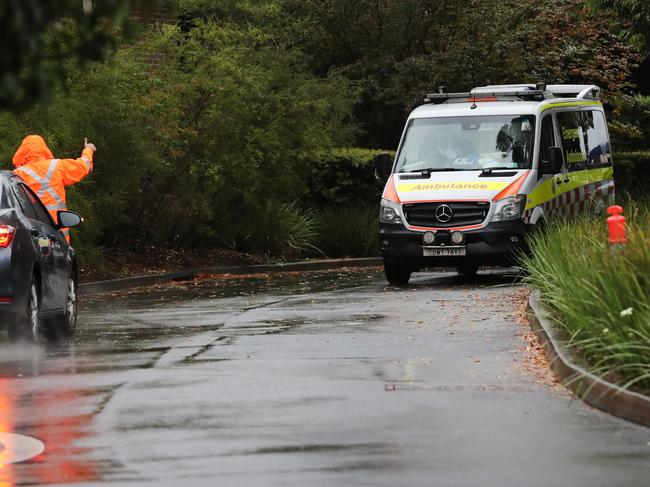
(616, 224)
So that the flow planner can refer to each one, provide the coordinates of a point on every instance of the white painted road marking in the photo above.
(18, 448)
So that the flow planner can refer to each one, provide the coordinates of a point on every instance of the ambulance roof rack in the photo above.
(536, 92)
(583, 92)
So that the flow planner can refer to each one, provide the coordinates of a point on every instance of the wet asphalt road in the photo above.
(306, 380)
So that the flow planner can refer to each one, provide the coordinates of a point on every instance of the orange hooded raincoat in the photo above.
(47, 176)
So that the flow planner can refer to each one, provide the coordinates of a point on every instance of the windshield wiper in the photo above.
(488, 170)
(427, 171)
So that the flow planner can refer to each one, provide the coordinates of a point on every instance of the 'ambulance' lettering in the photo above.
(455, 186)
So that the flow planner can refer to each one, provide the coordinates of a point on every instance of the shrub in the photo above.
(190, 148)
(629, 126)
(283, 230)
(232, 114)
(348, 232)
(102, 110)
(599, 296)
(342, 176)
(632, 173)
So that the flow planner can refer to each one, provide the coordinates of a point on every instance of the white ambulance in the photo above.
(474, 172)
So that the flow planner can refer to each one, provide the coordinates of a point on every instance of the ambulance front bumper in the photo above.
(497, 244)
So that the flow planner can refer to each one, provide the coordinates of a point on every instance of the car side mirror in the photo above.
(383, 166)
(555, 162)
(68, 219)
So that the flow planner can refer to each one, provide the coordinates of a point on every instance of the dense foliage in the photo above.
(633, 17)
(37, 37)
(632, 174)
(398, 50)
(347, 231)
(342, 177)
(600, 296)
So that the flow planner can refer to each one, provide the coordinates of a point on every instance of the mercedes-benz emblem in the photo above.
(444, 213)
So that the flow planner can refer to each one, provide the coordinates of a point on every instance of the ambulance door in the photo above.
(572, 126)
(549, 187)
(588, 160)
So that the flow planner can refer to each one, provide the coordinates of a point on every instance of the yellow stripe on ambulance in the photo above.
(546, 190)
(456, 185)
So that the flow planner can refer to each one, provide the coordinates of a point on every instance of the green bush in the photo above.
(348, 232)
(599, 296)
(214, 135)
(283, 230)
(102, 110)
(629, 127)
(632, 173)
(342, 176)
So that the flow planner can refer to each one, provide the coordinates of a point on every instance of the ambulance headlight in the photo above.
(389, 212)
(509, 208)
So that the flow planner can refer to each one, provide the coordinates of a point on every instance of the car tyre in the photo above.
(397, 274)
(29, 326)
(467, 270)
(66, 323)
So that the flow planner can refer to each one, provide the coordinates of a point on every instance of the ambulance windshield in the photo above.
(468, 143)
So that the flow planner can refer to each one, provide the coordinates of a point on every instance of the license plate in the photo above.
(444, 251)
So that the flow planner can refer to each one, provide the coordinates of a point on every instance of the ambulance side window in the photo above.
(547, 138)
(573, 140)
(598, 141)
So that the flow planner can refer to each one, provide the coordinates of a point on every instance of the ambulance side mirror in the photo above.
(554, 165)
(557, 159)
(383, 166)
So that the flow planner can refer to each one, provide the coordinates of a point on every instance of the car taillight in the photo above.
(7, 233)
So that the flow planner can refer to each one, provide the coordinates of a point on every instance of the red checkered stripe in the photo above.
(576, 201)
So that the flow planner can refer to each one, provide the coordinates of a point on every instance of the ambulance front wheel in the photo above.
(397, 274)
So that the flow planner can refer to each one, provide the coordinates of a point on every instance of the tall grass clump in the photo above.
(599, 296)
(348, 232)
(279, 230)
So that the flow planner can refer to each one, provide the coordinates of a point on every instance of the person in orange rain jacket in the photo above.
(47, 176)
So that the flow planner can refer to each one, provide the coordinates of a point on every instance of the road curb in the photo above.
(593, 390)
(146, 280)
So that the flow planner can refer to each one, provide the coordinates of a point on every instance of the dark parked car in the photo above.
(38, 268)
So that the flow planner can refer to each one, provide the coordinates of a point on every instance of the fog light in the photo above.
(457, 238)
(428, 238)
(384, 243)
(514, 239)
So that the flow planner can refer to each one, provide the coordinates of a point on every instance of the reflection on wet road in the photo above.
(305, 379)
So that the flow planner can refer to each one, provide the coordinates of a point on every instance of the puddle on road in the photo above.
(230, 285)
(127, 330)
(309, 325)
(378, 456)
(130, 330)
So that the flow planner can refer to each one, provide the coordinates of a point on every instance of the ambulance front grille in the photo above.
(462, 213)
